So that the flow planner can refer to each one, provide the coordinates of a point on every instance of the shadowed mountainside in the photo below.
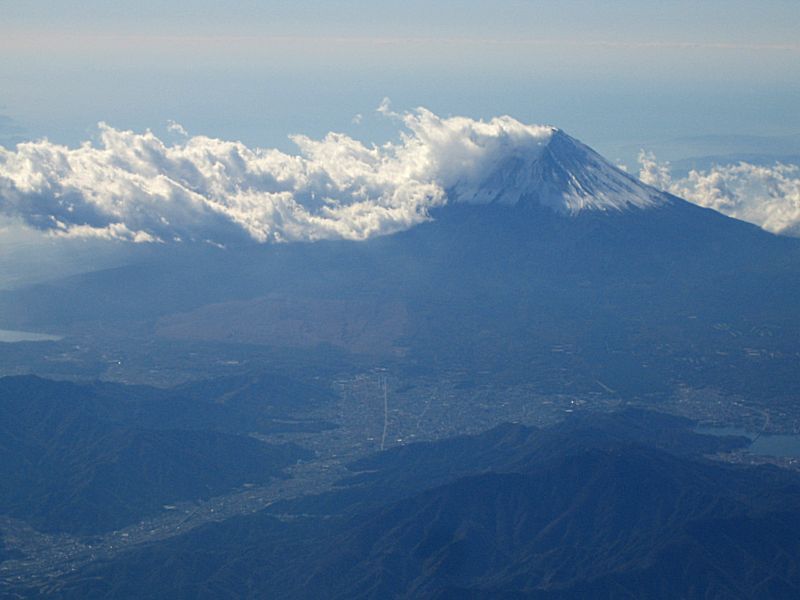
(587, 508)
(75, 459)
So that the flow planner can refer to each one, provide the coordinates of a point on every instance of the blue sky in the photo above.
(615, 74)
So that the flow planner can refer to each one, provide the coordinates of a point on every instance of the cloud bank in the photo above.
(765, 196)
(135, 187)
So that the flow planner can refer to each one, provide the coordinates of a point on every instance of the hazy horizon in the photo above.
(613, 75)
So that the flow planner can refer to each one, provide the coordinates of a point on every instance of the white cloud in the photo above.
(135, 187)
(385, 108)
(138, 188)
(174, 127)
(766, 196)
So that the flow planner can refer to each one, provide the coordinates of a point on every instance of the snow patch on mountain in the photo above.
(566, 176)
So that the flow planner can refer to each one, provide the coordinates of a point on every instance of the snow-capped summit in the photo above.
(562, 174)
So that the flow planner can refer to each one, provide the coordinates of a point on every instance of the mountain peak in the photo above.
(562, 174)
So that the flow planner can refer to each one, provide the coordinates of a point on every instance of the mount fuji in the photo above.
(565, 175)
(547, 263)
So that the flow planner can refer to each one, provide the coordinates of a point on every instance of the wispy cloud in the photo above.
(54, 40)
(766, 196)
(177, 128)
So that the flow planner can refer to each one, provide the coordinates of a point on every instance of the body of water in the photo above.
(9, 336)
(787, 445)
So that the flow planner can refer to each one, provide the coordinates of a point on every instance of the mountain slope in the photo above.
(565, 176)
(596, 515)
(623, 285)
(66, 466)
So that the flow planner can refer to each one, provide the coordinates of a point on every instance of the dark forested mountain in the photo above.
(78, 459)
(587, 509)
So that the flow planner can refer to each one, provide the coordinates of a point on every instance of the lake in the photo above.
(10, 336)
(787, 445)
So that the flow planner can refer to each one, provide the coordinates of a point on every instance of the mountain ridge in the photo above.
(598, 515)
(566, 176)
